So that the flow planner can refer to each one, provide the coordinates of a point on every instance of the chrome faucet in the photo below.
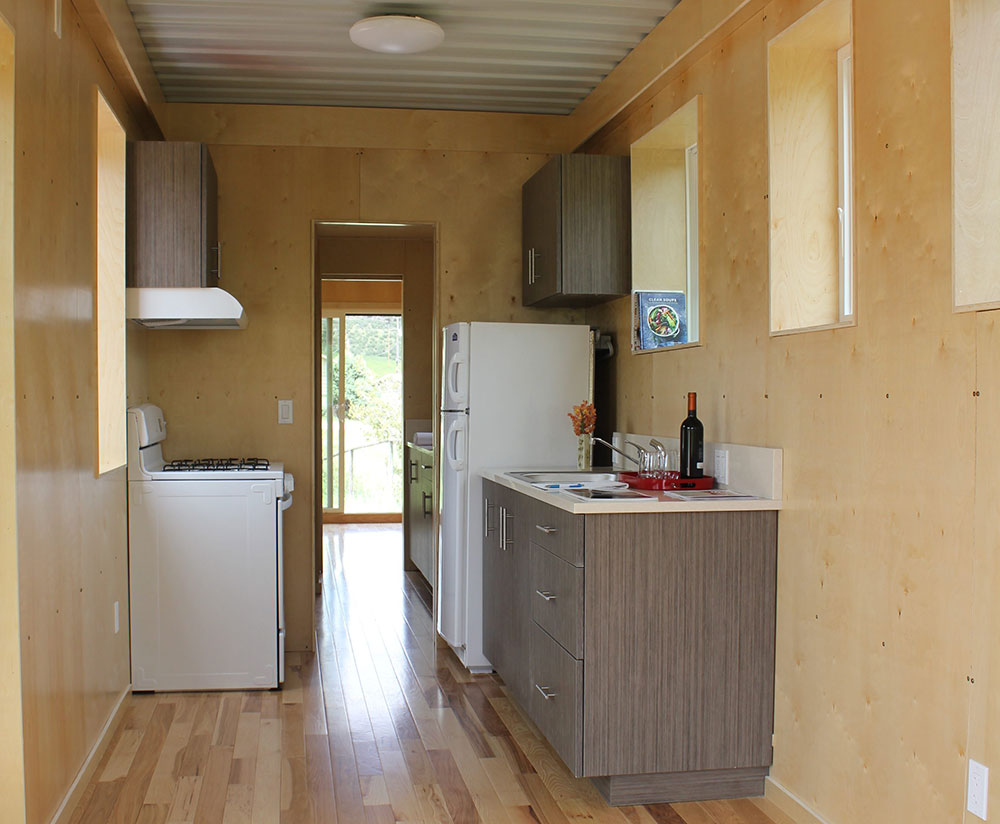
(638, 461)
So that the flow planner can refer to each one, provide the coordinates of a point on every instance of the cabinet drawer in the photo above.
(557, 599)
(558, 531)
(556, 703)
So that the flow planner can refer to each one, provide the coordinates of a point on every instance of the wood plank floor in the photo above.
(379, 726)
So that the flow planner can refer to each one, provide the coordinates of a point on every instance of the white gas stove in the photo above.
(205, 565)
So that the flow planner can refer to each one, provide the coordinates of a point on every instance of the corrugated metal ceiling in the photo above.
(537, 56)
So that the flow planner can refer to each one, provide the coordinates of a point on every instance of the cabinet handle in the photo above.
(505, 541)
(426, 466)
(426, 499)
(548, 530)
(413, 471)
(217, 271)
(531, 266)
(546, 692)
(502, 523)
(548, 596)
(487, 506)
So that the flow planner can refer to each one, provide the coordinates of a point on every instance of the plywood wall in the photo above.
(71, 526)
(219, 390)
(888, 540)
(12, 755)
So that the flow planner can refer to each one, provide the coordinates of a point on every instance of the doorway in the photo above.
(361, 412)
(375, 303)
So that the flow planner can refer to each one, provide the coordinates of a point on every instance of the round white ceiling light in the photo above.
(397, 34)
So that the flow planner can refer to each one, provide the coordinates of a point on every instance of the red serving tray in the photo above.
(673, 480)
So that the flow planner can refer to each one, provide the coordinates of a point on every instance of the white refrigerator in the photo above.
(506, 391)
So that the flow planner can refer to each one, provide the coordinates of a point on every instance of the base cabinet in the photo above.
(420, 511)
(649, 642)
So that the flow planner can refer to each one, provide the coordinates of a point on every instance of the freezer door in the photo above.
(455, 377)
(454, 514)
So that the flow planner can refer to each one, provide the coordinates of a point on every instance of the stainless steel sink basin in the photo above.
(568, 476)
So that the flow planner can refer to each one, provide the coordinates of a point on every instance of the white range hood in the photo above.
(180, 307)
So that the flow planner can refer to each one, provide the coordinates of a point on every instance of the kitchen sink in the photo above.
(569, 476)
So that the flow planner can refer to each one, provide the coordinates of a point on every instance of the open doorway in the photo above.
(375, 378)
(361, 407)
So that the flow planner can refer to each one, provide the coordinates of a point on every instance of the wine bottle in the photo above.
(692, 441)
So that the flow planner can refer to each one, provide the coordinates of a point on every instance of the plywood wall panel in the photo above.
(984, 672)
(875, 572)
(71, 526)
(347, 127)
(11, 731)
(419, 334)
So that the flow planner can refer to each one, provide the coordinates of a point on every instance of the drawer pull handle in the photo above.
(546, 692)
(487, 508)
(548, 530)
(548, 596)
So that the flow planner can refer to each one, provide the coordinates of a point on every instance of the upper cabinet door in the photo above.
(172, 215)
(541, 245)
(576, 241)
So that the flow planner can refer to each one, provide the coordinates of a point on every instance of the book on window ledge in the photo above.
(660, 319)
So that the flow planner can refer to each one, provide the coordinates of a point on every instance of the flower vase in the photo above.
(583, 453)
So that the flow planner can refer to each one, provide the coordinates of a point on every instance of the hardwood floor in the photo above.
(379, 726)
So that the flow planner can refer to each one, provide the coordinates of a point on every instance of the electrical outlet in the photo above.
(721, 467)
(284, 411)
(979, 782)
(117, 623)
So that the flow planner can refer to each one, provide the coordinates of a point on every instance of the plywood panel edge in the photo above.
(112, 28)
(681, 36)
(11, 728)
(346, 127)
(93, 759)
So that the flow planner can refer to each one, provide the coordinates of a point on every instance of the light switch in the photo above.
(284, 411)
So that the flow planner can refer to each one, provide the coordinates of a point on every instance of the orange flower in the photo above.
(584, 418)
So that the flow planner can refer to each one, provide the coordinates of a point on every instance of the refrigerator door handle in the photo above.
(453, 383)
(453, 452)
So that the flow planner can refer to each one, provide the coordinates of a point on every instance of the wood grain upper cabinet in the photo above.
(576, 231)
(172, 207)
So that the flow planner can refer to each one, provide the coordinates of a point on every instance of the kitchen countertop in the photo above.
(657, 502)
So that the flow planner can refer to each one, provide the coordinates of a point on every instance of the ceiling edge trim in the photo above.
(687, 31)
(110, 25)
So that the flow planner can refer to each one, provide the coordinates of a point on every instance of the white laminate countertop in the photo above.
(657, 502)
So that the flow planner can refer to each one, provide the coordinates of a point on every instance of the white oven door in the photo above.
(203, 584)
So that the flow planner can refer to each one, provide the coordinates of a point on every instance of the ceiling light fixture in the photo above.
(397, 34)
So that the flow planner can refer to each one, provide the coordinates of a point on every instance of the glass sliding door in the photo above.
(362, 398)
(332, 392)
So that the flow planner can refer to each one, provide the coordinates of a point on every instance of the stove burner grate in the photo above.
(216, 465)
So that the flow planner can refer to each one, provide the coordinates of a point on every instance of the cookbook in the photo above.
(660, 319)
